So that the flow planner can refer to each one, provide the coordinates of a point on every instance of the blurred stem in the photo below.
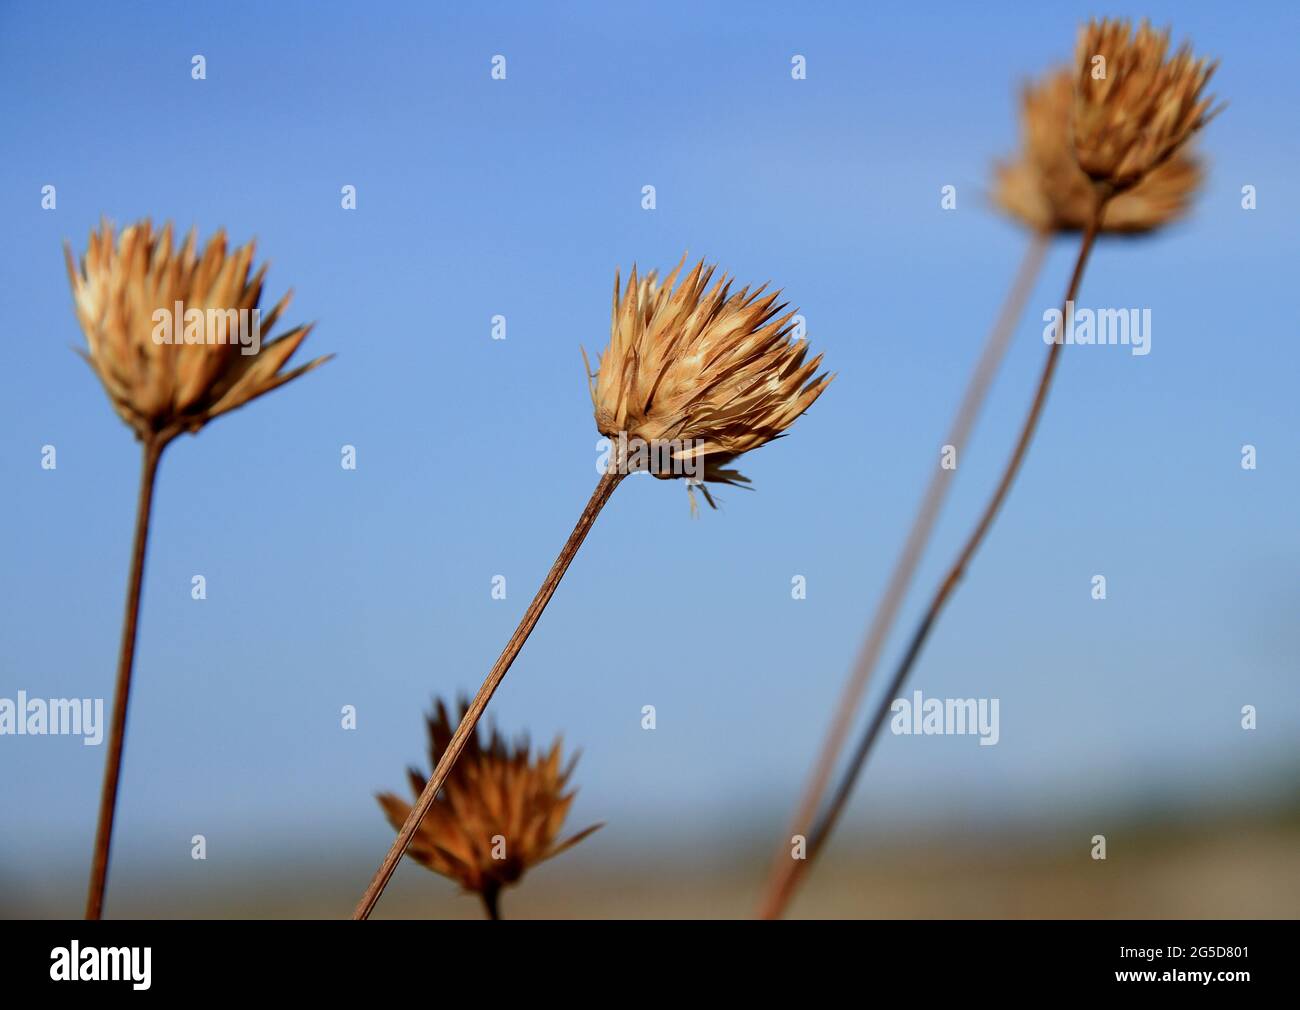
(153, 450)
(789, 872)
(491, 895)
(608, 482)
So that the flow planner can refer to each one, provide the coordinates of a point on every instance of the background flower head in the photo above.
(499, 813)
(1045, 188)
(1134, 106)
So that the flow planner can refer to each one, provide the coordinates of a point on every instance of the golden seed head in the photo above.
(1134, 106)
(702, 366)
(497, 800)
(1047, 190)
(166, 375)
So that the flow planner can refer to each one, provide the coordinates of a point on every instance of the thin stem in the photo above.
(599, 497)
(153, 449)
(905, 567)
(791, 871)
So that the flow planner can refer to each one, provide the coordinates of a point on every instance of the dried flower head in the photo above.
(1045, 188)
(1133, 106)
(175, 335)
(709, 372)
(498, 814)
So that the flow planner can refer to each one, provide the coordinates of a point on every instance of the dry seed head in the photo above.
(497, 800)
(162, 389)
(702, 365)
(1142, 109)
(1045, 188)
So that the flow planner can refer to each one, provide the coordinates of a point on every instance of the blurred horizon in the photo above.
(477, 198)
(1241, 863)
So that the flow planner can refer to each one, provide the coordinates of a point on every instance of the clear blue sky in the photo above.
(521, 197)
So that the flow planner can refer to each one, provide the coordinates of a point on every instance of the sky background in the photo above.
(521, 197)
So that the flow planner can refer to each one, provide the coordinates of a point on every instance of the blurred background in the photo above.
(477, 197)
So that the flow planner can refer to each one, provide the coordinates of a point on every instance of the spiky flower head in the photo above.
(175, 334)
(1134, 106)
(710, 372)
(1047, 190)
(498, 814)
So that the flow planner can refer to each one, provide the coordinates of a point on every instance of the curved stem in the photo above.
(599, 497)
(785, 881)
(153, 449)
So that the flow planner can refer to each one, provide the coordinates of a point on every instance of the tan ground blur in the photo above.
(1194, 871)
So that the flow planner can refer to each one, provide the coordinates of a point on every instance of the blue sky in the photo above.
(520, 197)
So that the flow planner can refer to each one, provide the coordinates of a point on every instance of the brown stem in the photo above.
(908, 559)
(153, 449)
(491, 895)
(786, 877)
(599, 497)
